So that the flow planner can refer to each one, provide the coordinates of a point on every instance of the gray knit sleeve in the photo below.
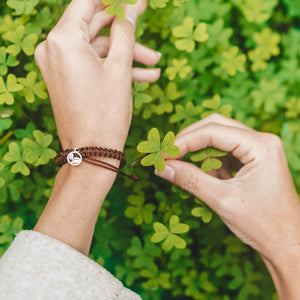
(37, 266)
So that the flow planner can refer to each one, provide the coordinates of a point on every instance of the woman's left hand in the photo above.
(89, 77)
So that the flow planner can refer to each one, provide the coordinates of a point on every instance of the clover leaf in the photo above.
(14, 155)
(255, 11)
(165, 98)
(188, 35)
(32, 88)
(217, 34)
(158, 3)
(233, 62)
(139, 95)
(202, 211)
(293, 107)
(270, 95)
(138, 211)
(196, 284)
(22, 7)
(6, 61)
(7, 90)
(178, 67)
(156, 149)
(143, 254)
(208, 157)
(246, 279)
(214, 105)
(20, 41)
(9, 228)
(9, 185)
(116, 8)
(37, 152)
(169, 235)
(188, 114)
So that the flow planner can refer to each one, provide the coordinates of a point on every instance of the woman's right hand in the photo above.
(259, 204)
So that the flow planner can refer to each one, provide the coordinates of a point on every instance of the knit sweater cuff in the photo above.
(37, 266)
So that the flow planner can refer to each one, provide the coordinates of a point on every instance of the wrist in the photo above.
(77, 197)
(283, 264)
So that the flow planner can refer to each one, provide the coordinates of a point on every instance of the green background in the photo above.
(239, 58)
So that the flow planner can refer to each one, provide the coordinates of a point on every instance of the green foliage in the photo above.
(239, 58)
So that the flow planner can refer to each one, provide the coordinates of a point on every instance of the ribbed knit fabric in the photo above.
(39, 267)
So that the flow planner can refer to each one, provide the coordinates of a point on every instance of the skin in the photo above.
(89, 82)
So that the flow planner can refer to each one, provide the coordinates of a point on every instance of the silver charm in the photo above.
(74, 158)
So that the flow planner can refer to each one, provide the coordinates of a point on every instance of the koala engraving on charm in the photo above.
(74, 158)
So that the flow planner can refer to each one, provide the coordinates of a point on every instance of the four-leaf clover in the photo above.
(156, 148)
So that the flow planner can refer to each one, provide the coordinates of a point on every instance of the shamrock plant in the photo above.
(208, 158)
(169, 235)
(144, 255)
(6, 61)
(116, 7)
(138, 211)
(178, 67)
(214, 106)
(9, 228)
(20, 41)
(7, 90)
(37, 152)
(17, 157)
(32, 88)
(202, 211)
(187, 35)
(156, 148)
(22, 7)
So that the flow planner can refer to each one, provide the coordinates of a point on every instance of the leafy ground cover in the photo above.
(239, 58)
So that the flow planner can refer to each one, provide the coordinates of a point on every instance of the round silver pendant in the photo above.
(74, 158)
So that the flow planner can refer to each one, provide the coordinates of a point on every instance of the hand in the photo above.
(260, 204)
(89, 77)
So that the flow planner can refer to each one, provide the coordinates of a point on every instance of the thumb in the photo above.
(192, 179)
(122, 39)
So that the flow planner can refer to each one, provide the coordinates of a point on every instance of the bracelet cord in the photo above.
(87, 154)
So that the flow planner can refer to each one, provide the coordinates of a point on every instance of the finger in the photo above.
(100, 20)
(122, 40)
(145, 75)
(239, 141)
(79, 12)
(141, 54)
(195, 181)
(216, 118)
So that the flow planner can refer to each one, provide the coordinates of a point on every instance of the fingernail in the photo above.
(167, 174)
(159, 54)
(131, 14)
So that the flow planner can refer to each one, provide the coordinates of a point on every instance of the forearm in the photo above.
(72, 210)
(284, 268)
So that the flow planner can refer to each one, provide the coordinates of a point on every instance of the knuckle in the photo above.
(215, 117)
(40, 52)
(273, 144)
(55, 39)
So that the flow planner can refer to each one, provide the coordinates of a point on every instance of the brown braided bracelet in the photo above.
(75, 156)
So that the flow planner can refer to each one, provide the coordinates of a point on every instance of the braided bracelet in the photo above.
(76, 156)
